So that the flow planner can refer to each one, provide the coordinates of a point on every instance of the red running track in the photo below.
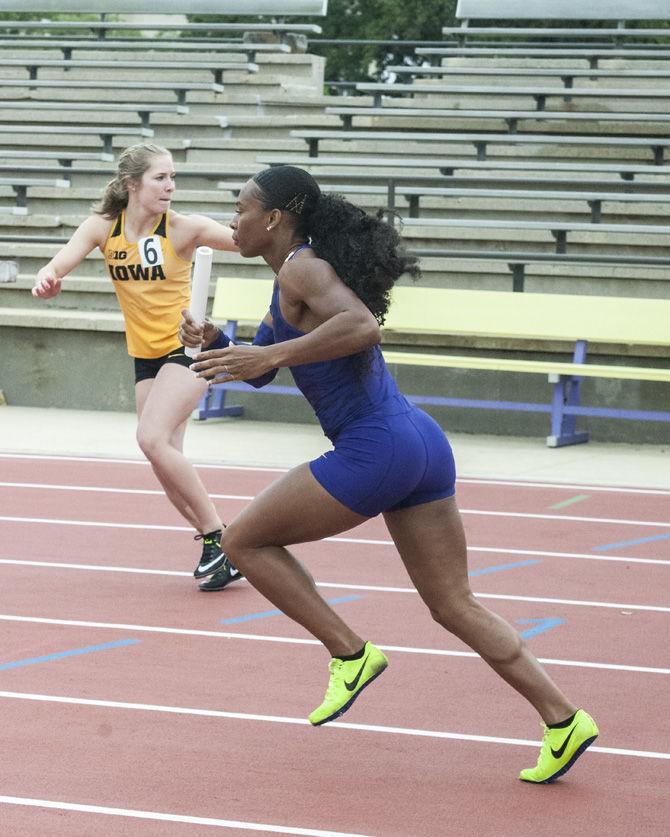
(186, 722)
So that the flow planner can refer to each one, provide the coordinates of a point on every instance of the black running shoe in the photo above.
(221, 578)
(212, 557)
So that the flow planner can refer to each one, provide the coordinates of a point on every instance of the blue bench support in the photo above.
(566, 394)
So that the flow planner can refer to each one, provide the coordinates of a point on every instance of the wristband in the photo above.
(221, 341)
(264, 336)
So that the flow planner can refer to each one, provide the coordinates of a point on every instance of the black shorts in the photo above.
(148, 367)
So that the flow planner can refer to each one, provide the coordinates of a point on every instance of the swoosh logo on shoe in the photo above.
(558, 753)
(353, 683)
(210, 563)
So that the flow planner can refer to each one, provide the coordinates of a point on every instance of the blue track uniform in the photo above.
(388, 454)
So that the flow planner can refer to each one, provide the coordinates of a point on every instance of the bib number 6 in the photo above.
(151, 253)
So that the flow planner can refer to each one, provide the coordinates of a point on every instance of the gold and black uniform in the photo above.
(152, 295)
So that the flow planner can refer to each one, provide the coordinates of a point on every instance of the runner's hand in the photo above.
(47, 285)
(234, 363)
(193, 335)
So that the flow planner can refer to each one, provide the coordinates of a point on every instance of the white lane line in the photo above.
(574, 602)
(478, 512)
(375, 588)
(98, 523)
(278, 719)
(617, 489)
(586, 555)
(507, 551)
(60, 565)
(505, 597)
(576, 486)
(113, 461)
(571, 518)
(181, 818)
(247, 497)
(105, 490)
(339, 539)
(79, 623)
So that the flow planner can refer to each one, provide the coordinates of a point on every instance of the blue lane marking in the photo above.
(500, 567)
(622, 544)
(73, 653)
(541, 625)
(264, 614)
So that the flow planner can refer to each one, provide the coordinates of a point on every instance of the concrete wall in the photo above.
(85, 369)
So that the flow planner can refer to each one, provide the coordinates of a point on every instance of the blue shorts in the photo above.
(383, 462)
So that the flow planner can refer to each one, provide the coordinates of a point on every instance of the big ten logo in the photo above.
(117, 254)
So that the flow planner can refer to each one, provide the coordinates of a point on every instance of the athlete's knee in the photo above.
(234, 543)
(151, 443)
(453, 611)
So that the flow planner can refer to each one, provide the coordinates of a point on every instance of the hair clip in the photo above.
(297, 203)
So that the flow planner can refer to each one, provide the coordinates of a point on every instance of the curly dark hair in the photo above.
(364, 250)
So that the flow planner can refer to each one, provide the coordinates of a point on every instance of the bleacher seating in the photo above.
(558, 42)
(425, 141)
(179, 88)
(41, 134)
(212, 63)
(564, 11)
(573, 202)
(539, 93)
(566, 74)
(93, 49)
(285, 8)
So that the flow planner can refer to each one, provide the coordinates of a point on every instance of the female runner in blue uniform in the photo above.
(335, 266)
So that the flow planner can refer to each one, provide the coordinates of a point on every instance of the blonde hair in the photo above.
(133, 162)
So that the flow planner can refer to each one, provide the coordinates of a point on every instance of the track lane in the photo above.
(346, 561)
(447, 693)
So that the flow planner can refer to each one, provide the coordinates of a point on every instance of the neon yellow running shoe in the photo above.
(347, 680)
(561, 748)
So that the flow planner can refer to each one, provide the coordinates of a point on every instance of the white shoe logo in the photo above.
(234, 573)
(204, 567)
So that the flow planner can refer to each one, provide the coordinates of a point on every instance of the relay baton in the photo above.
(202, 270)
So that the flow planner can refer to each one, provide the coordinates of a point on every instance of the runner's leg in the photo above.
(431, 542)
(164, 405)
(294, 509)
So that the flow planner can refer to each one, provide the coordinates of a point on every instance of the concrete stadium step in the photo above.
(228, 152)
(534, 240)
(30, 222)
(209, 122)
(503, 101)
(90, 288)
(535, 209)
(72, 143)
(32, 256)
(546, 277)
(304, 69)
(73, 208)
(538, 63)
(247, 95)
(560, 152)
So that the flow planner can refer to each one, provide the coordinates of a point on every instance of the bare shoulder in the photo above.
(96, 229)
(182, 224)
(305, 276)
(188, 230)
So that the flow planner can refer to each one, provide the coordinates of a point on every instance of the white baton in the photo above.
(202, 270)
